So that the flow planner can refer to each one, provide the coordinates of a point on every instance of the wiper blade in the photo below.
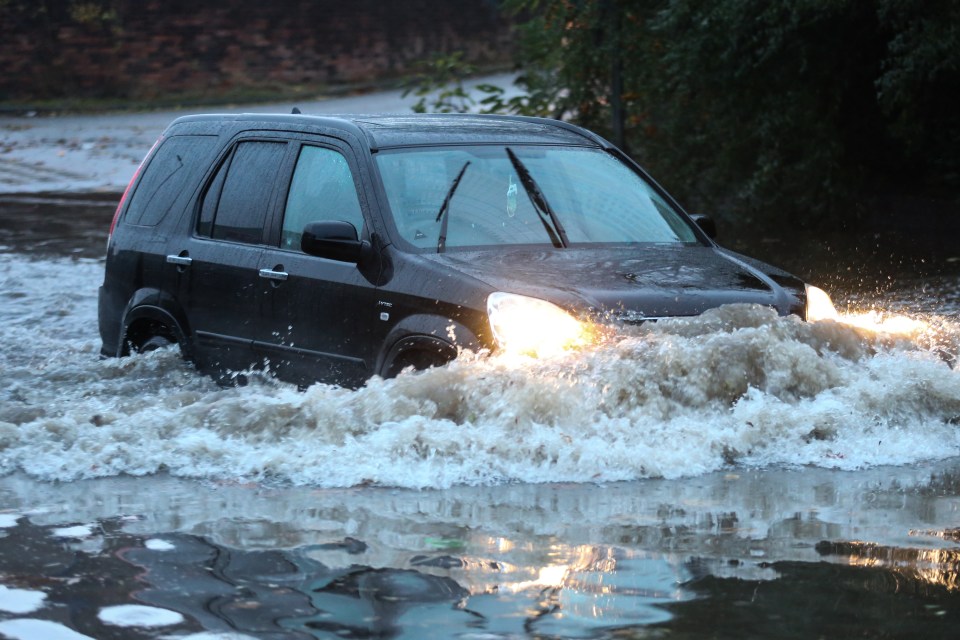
(558, 235)
(441, 218)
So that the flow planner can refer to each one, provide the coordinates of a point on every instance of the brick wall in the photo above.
(143, 48)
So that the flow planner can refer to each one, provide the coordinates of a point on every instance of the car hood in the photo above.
(635, 283)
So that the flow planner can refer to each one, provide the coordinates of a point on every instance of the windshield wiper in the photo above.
(558, 237)
(441, 218)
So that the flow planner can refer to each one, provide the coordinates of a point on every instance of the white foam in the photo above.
(20, 600)
(9, 520)
(155, 544)
(735, 387)
(137, 615)
(30, 629)
(77, 531)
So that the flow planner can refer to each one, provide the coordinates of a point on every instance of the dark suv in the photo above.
(336, 248)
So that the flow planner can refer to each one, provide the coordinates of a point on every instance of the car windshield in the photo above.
(489, 195)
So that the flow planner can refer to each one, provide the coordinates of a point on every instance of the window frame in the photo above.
(362, 170)
(224, 162)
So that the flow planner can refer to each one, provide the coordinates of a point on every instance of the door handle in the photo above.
(270, 274)
(180, 261)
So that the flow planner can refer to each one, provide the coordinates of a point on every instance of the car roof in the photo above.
(413, 129)
(405, 130)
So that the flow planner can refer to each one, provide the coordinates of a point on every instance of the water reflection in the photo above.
(767, 554)
(288, 594)
(814, 600)
(383, 603)
(936, 567)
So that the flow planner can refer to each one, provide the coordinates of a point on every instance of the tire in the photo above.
(153, 343)
(418, 359)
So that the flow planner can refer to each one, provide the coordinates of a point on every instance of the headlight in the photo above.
(819, 305)
(533, 326)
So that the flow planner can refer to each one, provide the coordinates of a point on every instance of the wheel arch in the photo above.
(151, 313)
(422, 339)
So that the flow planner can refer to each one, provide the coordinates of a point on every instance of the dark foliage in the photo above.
(809, 110)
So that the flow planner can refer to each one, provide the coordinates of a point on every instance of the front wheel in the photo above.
(418, 359)
(153, 343)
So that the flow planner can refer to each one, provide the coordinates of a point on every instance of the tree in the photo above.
(767, 111)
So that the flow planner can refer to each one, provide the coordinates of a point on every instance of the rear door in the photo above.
(320, 317)
(217, 264)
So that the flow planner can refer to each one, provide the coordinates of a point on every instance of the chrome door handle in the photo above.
(270, 274)
(182, 261)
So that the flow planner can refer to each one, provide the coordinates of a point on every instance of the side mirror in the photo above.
(705, 223)
(334, 240)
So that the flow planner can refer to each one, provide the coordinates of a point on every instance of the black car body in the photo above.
(337, 248)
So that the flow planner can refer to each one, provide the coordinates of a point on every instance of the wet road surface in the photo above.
(56, 224)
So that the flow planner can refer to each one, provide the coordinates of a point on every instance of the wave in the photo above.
(737, 387)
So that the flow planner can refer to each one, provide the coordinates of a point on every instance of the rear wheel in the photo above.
(147, 334)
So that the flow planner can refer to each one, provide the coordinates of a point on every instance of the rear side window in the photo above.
(164, 181)
(237, 202)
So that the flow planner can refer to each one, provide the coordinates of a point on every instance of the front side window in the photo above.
(496, 195)
(322, 189)
(237, 202)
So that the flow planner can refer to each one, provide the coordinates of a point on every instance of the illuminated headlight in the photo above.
(819, 305)
(532, 326)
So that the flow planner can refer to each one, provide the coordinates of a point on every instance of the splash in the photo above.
(928, 332)
(881, 322)
(736, 387)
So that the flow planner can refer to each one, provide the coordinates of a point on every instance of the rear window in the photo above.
(164, 181)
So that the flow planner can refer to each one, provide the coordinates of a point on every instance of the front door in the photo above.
(320, 317)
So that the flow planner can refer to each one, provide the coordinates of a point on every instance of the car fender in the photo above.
(424, 332)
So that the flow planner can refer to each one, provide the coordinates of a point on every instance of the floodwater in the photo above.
(736, 475)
